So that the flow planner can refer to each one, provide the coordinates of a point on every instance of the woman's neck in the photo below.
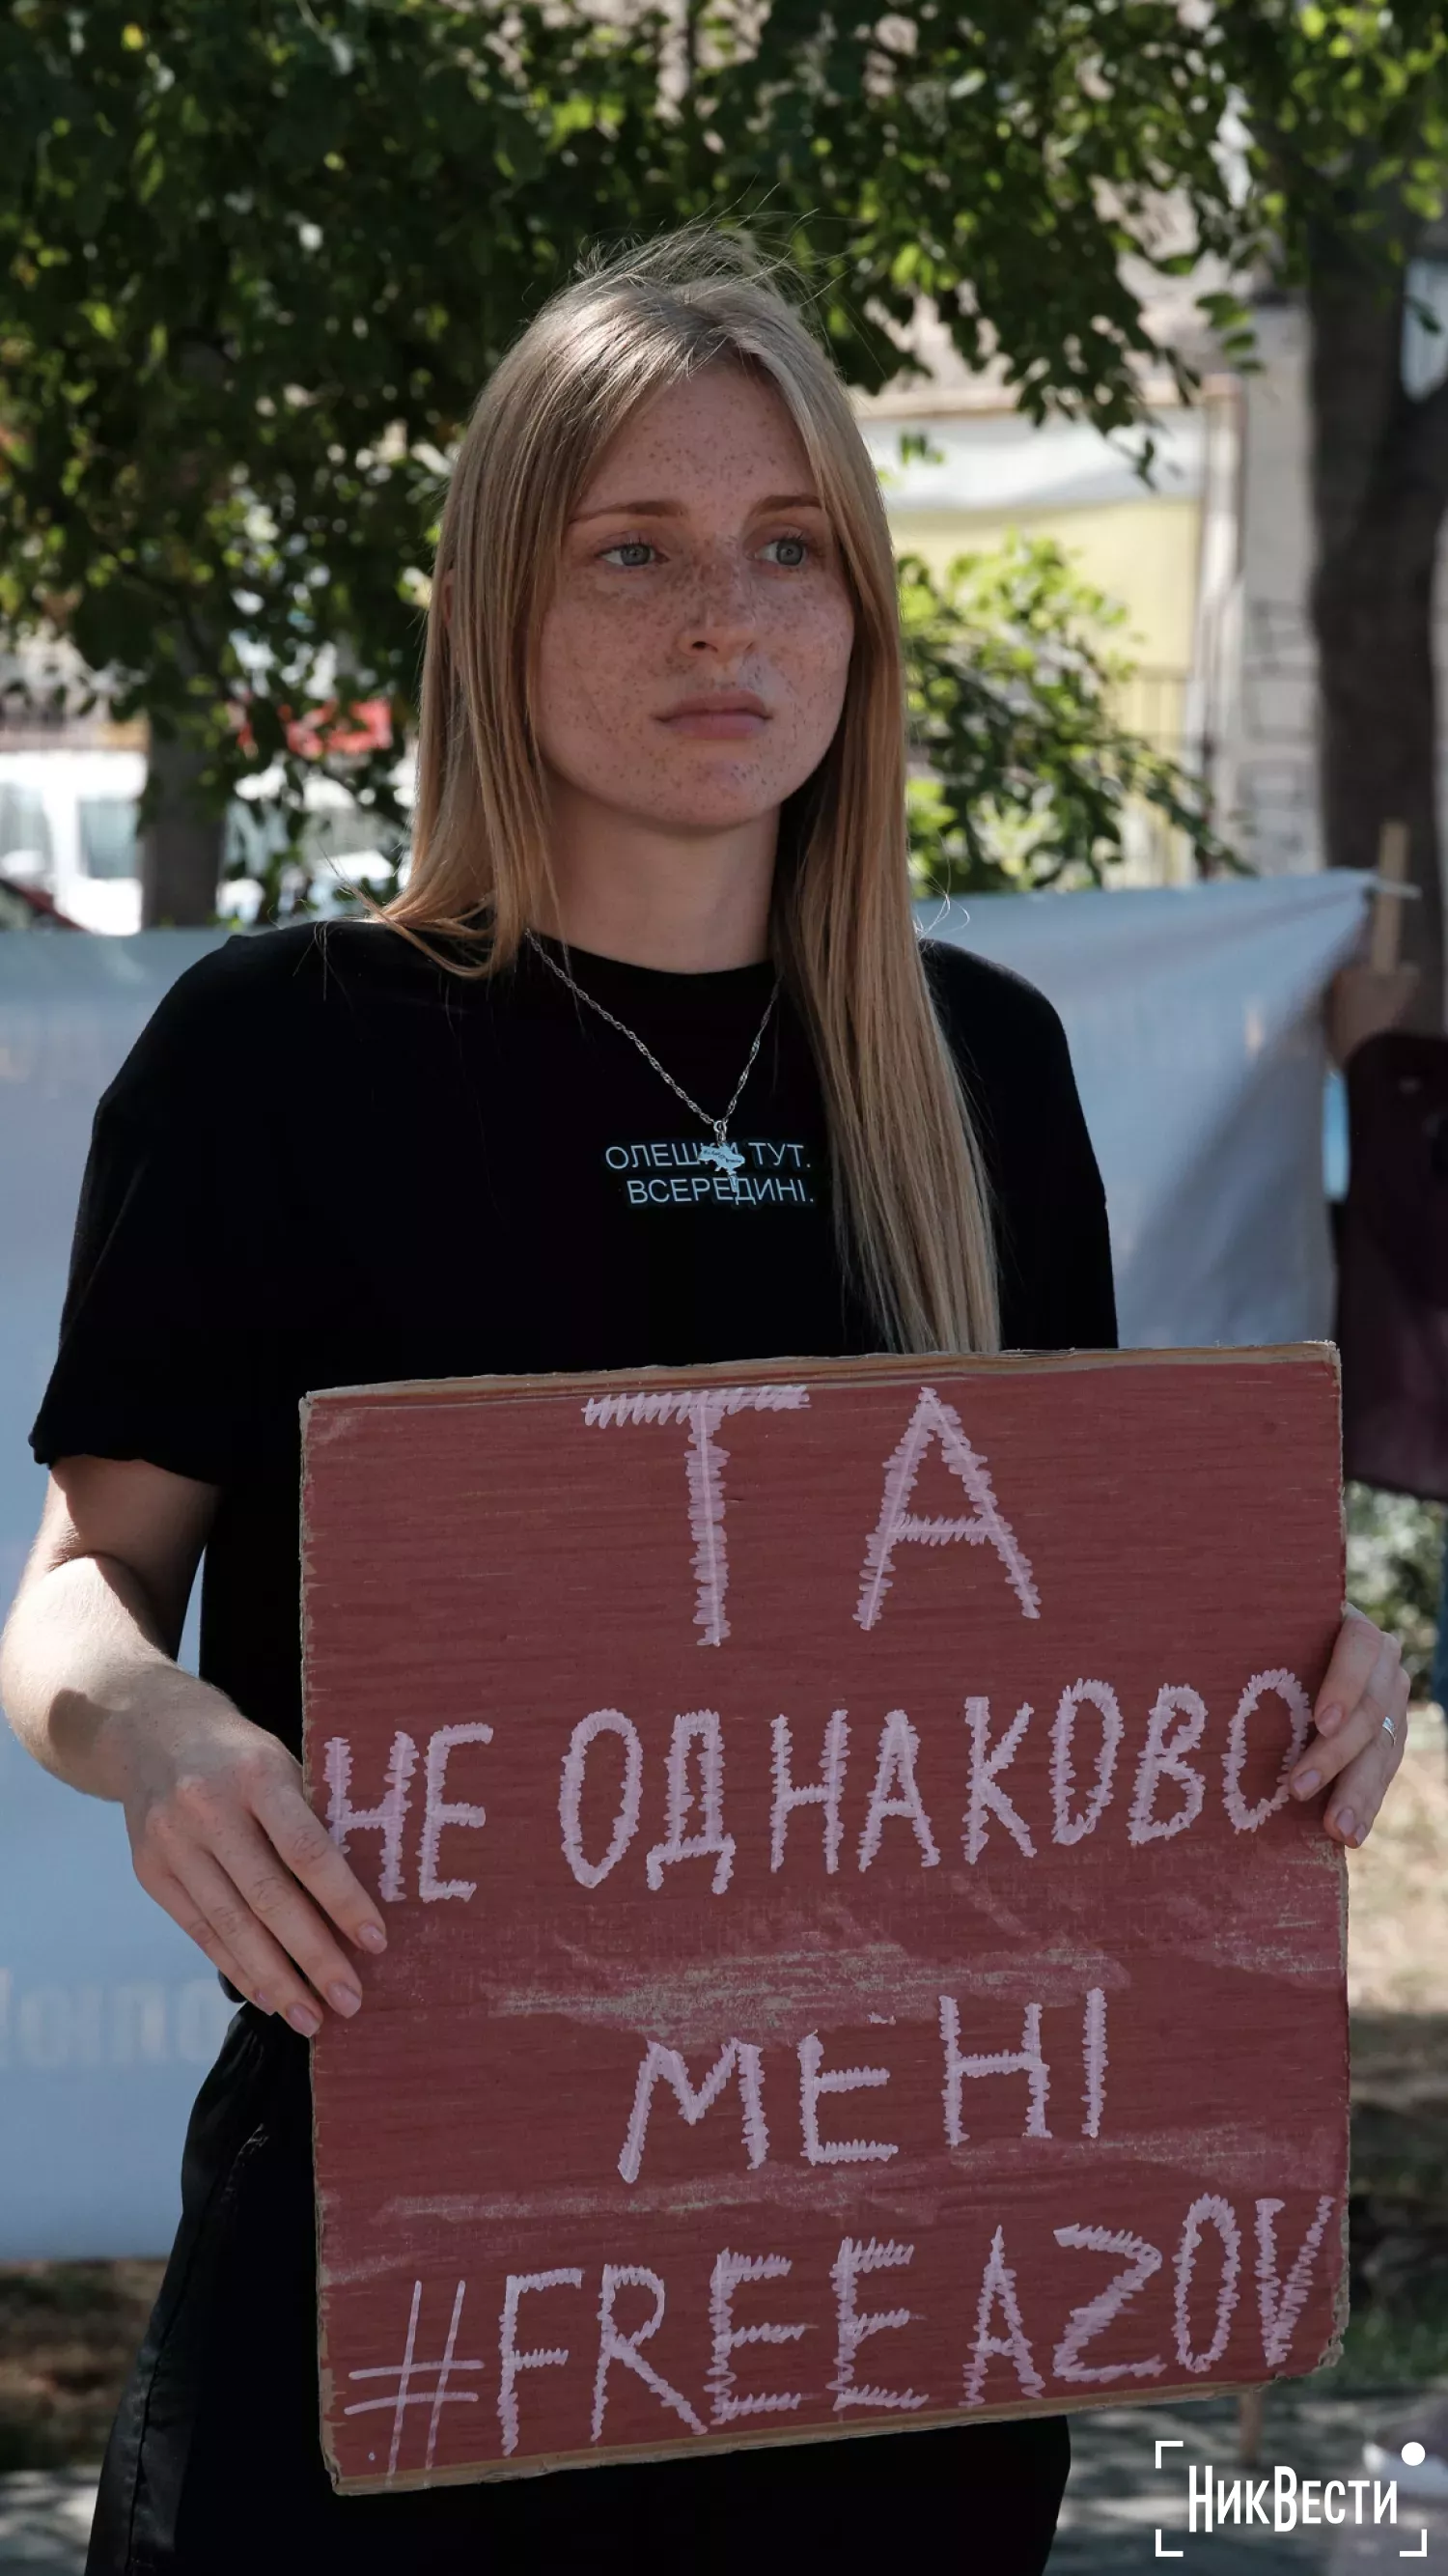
(686, 903)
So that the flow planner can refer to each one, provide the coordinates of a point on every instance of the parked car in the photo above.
(25, 907)
(68, 830)
(68, 833)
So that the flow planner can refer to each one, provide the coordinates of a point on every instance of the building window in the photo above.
(108, 836)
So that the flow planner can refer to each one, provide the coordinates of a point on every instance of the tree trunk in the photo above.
(182, 841)
(1379, 491)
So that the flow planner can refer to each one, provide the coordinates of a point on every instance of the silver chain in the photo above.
(721, 1151)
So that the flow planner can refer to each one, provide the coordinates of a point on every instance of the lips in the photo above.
(718, 715)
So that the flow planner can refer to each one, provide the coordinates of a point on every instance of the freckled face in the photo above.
(693, 659)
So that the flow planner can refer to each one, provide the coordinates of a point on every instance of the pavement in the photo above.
(1122, 2511)
(44, 2520)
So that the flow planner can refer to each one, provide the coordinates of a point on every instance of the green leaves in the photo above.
(1344, 118)
(246, 253)
(237, 258)
(1025, 775)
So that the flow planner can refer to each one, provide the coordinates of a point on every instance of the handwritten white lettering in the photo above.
(386, 1818)
(729, 2273)
(855, 2327)
(603, 1721)
(697, 1726)
(985, 1798)
(1164, 1758)
(895, 1792)
(738, 2056)
(1072, 1828)
(1287, 1688)
(437, 1812)
(1208, 2211)
(1280, 2307)
(826, 1792)
(845, 2079)
(614, 2346)
(1085, 2323)
(703, 1408)
(1025, 2060)
(510, 2359)
(897, 1526)
(998, 2290)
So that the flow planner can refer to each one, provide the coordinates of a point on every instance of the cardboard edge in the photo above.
(882, 1368)
(326, 2377)
(717, 2445)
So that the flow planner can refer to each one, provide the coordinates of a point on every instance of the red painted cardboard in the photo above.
(853, 1964)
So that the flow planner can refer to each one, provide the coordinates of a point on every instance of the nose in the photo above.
(719, 616)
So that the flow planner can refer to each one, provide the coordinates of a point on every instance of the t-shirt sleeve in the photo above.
(1062, 1246)
(1053, 1242)
(164, 1328)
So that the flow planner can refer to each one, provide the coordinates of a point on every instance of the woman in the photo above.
(659, 895)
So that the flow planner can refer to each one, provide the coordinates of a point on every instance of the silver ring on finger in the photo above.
(1390, 1731)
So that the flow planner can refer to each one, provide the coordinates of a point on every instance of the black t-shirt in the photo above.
(328, 1162)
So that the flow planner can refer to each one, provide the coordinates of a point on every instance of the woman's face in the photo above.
(692, 662)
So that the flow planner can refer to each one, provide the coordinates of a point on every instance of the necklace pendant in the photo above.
(723, 1156)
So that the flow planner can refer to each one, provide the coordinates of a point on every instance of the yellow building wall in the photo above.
(1142, 554)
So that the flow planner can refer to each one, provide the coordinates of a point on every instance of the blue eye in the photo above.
(795, 555)
(631, 554)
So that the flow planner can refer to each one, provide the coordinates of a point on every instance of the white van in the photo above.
(68, 826)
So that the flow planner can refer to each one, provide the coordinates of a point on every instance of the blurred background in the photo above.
(1144, 307)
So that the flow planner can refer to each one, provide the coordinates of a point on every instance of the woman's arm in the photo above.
(221, 1833)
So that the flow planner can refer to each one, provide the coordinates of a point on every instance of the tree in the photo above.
(1300, 142)
(256, 264)
(1347, 112)
(1031, 779)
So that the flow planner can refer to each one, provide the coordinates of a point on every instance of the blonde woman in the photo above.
(647, 1064)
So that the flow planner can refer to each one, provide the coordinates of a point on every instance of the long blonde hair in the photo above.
(909, 1190)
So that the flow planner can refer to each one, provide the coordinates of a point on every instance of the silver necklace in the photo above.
(721, 1154)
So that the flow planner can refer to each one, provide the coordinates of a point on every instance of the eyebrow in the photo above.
(676, 510)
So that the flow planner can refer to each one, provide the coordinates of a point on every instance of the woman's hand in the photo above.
(1361, 1721)
(221, 1834)
(223, 1838)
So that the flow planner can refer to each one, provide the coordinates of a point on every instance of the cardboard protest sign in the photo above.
(853, 1961)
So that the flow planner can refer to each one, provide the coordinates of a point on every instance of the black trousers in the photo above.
(214, 2466)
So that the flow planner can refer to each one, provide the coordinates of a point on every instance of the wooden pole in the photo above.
(1387, 930)
(1377, 994)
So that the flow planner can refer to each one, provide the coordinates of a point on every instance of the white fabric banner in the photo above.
(1193, 1019)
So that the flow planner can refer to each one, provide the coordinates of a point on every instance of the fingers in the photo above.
(1358, 1648)
(288, 1954)
(167, 1891)
(1361, 1785)
(1345, 1725)
(302, 1841)
(239, 1894)
(1351, 1753)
